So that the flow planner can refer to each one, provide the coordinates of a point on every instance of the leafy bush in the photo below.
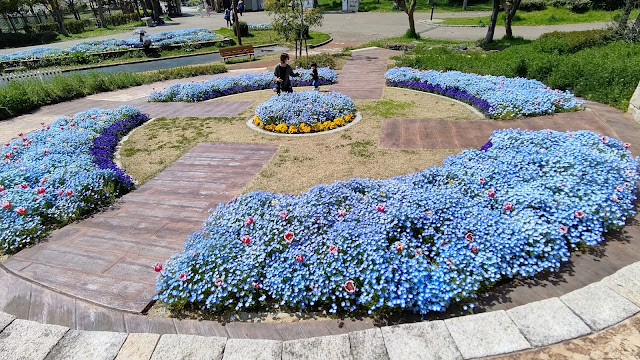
(40, 28)
(579, 6)
(418, 242)
(608, 5)
(606, 73)
(532, 5)
(20, 97)
(322, 60)
(559, 3)
(244, 28)
(574, 41)
(121, 19)
(77, 26)
(61, 172)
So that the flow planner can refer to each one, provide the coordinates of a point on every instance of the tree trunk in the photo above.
(13, 26)
(35, 14)
(510, 8)
(464, 5)
(412, 23)
(624, 19)
(492, 23)
(58, 16)
(235, 21)
(100, 6)
(216, 5)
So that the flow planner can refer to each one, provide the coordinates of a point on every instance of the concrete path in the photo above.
(79, 294)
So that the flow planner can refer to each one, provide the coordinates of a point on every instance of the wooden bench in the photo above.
(229, 52)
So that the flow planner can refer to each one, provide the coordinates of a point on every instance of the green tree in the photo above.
(291, 20)
(57, 14)
(402, 5)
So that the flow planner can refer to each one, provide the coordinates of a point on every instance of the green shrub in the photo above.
(121, 19)
(579, 6)
(322, 60)
(20, 97)
(75, 26)
(532, 5)
(608, 5)
(39, 28)
(244, 28)
(573, 41)
(559, 3)
(10, 40)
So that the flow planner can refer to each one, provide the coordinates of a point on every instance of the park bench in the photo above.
(229, 52)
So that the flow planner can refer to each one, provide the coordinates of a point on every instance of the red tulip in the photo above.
(182, 277)
(350, 286)
(248, 221)
(299, 258)
(245, 239)
(157, 267)
(381, 207)
(289, 237)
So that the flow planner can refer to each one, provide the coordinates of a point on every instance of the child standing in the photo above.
(208, 10)
(314, 76)
(240, 7)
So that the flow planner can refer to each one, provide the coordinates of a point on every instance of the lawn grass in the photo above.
(109, 30)
(263, 37)
(421, 6)
(341, 155)
(549, 16)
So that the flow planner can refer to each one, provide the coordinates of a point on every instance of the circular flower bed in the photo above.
(61, 172)
(304, 112)
(417, 242)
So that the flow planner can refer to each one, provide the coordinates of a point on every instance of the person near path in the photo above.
(227, 16)
(282, 74)
(240, 7)
(208, 10)
(315, 79)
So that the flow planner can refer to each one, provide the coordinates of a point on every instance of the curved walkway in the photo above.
(88, 263)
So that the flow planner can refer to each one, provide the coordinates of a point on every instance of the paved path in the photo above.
(362, 77)
(90, 277)
(106, 259)
(357, 28)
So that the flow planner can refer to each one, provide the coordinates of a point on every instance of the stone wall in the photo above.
(634, 104)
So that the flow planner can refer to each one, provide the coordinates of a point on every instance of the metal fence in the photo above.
(33, 74)
(13, 22)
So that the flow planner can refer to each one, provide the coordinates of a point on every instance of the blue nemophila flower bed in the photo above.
(259, 27)
(164, 38)
(417, 242)
(61, 172)
(228, 85)
(304, 112)
(495, 96)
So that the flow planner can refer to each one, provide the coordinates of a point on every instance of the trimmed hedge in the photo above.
(20, 97)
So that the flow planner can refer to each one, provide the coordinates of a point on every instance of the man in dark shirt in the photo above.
(282, 74)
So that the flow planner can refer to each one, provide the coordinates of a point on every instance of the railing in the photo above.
(33, 74)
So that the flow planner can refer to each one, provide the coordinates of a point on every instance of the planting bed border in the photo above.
(252, 126)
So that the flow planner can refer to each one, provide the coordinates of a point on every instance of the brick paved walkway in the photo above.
(106, 259)
(452, 134)
(362, 77)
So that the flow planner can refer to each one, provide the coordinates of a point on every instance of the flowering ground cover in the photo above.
(193, 92)
(418, 242)
(259, 27)
(304, 112)
(57, 174)
(495, 96)
(161, 39)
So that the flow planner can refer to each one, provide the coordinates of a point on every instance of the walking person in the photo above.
(282, 74)
(208, 10)
(227, 16)
(240, 7)
(315, 79)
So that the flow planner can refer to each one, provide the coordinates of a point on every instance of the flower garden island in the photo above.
(426, 237)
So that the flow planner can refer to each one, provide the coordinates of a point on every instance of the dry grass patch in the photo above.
(301, 162)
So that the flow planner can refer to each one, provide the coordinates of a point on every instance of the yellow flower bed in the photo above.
(304, 128)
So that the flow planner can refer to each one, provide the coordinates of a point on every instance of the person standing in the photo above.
(227, 16)
(208, 10)
(282, 74)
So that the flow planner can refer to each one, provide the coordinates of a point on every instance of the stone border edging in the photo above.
(252, 126)
(471, 108)
(322, 43)
(581, 312)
